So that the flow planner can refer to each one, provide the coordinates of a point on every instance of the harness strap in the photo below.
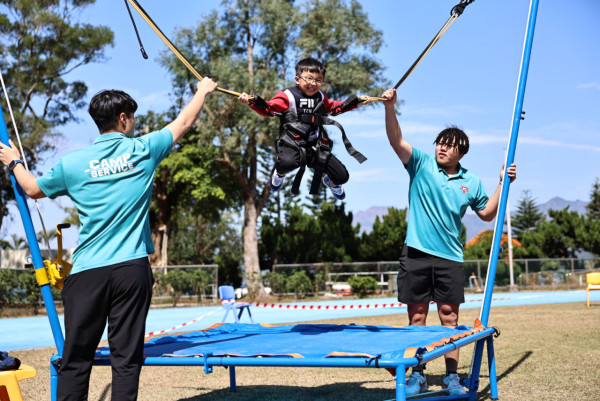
(298, 143)
(298, 179)
(322, 155)
(349, 148)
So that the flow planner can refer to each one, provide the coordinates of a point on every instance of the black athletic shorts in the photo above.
(423, 278)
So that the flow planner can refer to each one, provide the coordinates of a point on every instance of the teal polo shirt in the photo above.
(437, 204)
(110, 184)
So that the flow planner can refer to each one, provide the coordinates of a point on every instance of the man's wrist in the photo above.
(13, 164)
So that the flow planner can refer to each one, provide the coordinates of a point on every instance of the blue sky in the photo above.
(468, 79)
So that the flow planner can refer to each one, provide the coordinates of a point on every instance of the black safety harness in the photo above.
(295, 130)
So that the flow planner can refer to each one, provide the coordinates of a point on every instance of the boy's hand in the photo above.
(244, 98)
(365, 100)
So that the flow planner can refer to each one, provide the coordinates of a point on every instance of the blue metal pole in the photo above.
(36, 255)
(510, 156)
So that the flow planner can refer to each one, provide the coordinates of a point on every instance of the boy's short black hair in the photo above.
(454, 136)
(107, 105)
(311, 65)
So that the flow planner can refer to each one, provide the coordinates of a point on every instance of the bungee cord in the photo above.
(456, 12)
(171, 46)
(12, 117)
(182, 58)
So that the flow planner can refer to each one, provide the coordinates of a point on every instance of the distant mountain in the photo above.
(366, 218)
(473, 223)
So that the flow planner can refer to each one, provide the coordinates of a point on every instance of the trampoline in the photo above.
(315, 345)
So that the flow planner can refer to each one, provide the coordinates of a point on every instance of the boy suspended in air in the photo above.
(303, 110)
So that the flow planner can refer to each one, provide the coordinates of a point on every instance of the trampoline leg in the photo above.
(400, 383)
(53, 377)
(232, 386)
(475, 370)
(492, 368)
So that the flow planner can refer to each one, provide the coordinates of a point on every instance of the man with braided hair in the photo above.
(431, 264)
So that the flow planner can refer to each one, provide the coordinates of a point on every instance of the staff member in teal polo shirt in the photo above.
(110, 184)
(431, 264)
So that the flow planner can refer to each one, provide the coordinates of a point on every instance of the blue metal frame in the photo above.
(38, 262)
(208, 361)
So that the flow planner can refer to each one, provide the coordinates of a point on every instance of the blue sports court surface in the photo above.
(34, 332)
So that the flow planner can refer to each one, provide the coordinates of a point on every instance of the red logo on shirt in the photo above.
(464, 189)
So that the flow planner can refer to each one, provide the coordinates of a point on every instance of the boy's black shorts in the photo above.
(423, 278)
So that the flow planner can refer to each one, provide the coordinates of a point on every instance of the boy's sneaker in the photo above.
(338, 191)
(276, 181)
(452, 385)
(416, 383)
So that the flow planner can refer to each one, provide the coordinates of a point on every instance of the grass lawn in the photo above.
(544, 352)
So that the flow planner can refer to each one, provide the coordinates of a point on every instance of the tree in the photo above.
(187, 193)
(559, 237)
(385, 241)
(593, 207)
(479, 247)
(41, 43)
(253, 45)
(528, 215)
(16, 242)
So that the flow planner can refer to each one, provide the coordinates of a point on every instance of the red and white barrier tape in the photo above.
(317, 307)
(338, 307)
(155, 333)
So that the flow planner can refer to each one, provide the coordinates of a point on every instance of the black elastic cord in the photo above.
(136, 31)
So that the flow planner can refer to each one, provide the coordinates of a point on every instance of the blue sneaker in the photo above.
(416, 383)
(276, 181)
(452, 385)
(338, 191)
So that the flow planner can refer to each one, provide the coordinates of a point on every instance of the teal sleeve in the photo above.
(481, 198)
(160, 143)
(53, 182)
(415, 162)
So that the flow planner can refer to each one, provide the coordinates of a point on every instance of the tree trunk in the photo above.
(251, 263)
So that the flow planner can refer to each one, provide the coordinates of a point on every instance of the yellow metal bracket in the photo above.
(56, 270)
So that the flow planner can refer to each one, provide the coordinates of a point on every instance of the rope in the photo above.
(456, 11)
(172, 47)
(136, 31)
(12, 117)
(181, 57)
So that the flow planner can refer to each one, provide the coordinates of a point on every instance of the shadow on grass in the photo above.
(337, 391)
(485, 392)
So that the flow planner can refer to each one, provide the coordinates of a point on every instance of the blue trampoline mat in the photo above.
(303, 340)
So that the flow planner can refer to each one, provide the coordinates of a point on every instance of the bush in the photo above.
(277, 282)
(363, 285)
(299, 283)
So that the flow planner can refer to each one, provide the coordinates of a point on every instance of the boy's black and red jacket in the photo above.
(302, 118)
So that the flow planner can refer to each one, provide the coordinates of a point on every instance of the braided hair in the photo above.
(454, 137)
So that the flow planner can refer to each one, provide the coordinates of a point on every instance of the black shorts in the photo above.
(423, 278)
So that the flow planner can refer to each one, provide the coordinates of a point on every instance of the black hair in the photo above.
(311, 65)
(454, 137)
(107, 105)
